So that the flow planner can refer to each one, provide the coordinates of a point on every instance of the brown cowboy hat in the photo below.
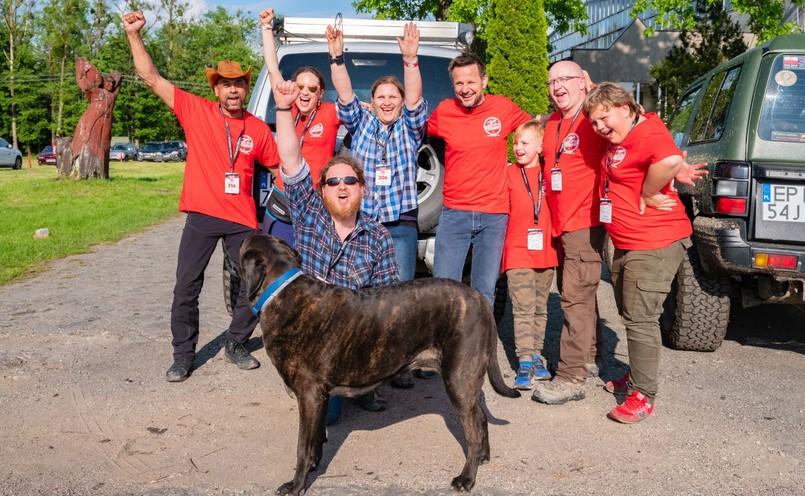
(228, 69)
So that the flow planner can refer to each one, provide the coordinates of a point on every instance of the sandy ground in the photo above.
(85, 408)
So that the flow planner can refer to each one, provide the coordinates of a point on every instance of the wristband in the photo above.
(415, 63)
(337, 60)
(283, 109)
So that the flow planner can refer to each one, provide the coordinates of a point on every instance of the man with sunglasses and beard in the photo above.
(338, 243)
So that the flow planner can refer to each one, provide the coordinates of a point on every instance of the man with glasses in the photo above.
(573, 154)
(338, 243)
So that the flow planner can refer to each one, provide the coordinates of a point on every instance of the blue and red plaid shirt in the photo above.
(364, 259)
(400, 142)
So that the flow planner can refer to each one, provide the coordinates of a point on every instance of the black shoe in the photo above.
(180, 370)
(237, 354)
(372, 402)
(404, 380)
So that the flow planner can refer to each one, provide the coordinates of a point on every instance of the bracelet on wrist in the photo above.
(337, 60)
(283, 109)
(414, 63)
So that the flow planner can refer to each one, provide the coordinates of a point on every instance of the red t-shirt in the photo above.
(476, 151)
(648, 143)
(576, 205)
(208, 159)
(318, 143)
(516, 254)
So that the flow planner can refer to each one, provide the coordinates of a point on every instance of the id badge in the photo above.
(383, 175)
(535, 240)
(605, 214)
(232, 183)
(556, 179)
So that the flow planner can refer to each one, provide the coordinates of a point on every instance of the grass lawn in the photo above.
(79, 214)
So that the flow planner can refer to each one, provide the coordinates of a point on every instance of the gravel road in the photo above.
(85, 408)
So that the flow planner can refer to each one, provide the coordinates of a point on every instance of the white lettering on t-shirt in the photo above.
(492, 126)
(246, 144)
(618, 156)
(317, 130)
(570, 143)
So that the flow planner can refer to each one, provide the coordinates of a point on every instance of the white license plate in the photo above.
(783, 202)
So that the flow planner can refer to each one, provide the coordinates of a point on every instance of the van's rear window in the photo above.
(782, 117)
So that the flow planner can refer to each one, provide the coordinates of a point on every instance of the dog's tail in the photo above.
(496, 379)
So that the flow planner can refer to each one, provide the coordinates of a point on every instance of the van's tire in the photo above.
(697, 310)
(231, 277)
(429, 182)
(18, 163)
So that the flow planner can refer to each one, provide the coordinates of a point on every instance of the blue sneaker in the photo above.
(523, 379)
(540, 373)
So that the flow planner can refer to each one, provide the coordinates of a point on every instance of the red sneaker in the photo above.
(633, 410)
(621, 386)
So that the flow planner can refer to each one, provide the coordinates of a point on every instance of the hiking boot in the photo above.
(620, 387)
(557, 392)
(404, 380)
(180, 370)
(372, 402)
(237, 354)
(539, 371)
(523, 379)
(633, 410)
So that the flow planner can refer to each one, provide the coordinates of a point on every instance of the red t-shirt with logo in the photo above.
(576, 206)
(208, 160)
(648, 143)
(516, 254)
(476, 151)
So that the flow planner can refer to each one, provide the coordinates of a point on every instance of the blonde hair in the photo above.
(609, 95)
(533, 125)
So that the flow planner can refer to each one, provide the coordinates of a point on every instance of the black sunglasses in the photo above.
(335, 181)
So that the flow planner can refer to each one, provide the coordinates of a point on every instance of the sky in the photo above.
(293, 8)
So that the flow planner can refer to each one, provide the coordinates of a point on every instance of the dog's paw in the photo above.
(462, 483)
(288, 489)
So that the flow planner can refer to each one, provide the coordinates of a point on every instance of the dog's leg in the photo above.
(308, 448)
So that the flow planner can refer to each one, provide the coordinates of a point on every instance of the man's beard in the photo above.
(342, 212)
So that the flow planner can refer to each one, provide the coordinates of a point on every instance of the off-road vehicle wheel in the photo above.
(697, 310)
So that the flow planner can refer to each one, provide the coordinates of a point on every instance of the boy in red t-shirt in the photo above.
(529, 254)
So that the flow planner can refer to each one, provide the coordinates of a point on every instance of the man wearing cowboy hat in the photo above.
(223, 141)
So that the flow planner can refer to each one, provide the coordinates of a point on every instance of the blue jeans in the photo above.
(404, 238)
(457, 230)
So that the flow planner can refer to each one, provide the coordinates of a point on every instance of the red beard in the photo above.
(342, 212)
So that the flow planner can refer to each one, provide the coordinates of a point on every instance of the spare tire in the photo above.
(429, 182)
(697, 310)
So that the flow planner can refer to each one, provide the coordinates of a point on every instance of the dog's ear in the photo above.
(252, 271)
(291, 251)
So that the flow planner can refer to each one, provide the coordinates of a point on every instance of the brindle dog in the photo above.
(328, 340)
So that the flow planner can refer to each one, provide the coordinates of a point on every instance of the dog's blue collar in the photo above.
(273, 290)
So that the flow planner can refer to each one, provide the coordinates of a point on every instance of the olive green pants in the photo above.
(529, 290)
(642, 280)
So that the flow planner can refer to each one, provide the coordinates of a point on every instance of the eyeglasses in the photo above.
(335, 181)
(311, 87)
(562, 79)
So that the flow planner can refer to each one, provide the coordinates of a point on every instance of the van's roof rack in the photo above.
(307, 29)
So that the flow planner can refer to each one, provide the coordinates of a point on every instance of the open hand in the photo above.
(335, 41)
(409, 44)
(690, 173)
(658, 201)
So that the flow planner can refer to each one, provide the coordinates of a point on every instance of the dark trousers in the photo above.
(199, 239)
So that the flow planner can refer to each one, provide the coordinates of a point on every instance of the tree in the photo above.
(17, 16)
(765, 16)
(713, 40)
(516, 41)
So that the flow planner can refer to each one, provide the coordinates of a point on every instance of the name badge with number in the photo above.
(535, 240)
(383, 175)
(232, 183)
(605, 214)
(556, 179)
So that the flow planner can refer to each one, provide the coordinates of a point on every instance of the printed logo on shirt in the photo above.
(492, 126)
(246, 144)
(317, 130)
(570, 143)
(618, 156)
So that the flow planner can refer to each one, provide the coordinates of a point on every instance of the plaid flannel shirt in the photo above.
(386, 203)
(364, 259)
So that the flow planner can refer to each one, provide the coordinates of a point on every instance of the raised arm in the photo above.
(285, 93)
(269, 49)
(412, 78)
(133, 22)
(338, 71)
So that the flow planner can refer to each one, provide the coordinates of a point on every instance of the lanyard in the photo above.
(611, 158)
(561, 144)
(307, 126)
(537, 204)
(233, 155)
(384, 144)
